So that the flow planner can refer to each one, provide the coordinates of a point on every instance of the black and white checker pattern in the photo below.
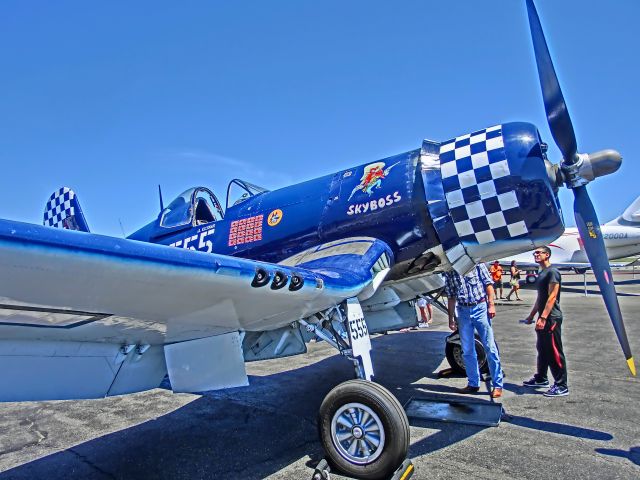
(61, 205)
(479, 189)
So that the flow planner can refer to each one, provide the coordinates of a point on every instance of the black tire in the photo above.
(393, 442)
(531, 279)
(453, 352)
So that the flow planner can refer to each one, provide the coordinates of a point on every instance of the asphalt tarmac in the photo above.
(268, 430)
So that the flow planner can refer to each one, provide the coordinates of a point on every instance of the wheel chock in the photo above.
(322, 471)
(405, 471)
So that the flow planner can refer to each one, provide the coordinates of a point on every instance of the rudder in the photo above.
(63, 211)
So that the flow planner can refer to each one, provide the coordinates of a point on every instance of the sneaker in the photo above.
(556, 391)
(496, 392)
(423, 325)
(533, 382)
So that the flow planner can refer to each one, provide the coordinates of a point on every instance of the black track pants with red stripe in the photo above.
(550, 353)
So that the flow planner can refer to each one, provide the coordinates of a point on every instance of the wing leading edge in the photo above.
(97, 296)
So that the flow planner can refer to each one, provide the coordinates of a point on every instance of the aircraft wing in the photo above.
(560, 265)
(586, 266)
(506, 264)
(74, 294)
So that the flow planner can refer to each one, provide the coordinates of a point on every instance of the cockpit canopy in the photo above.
(199, 205)
(195, 206)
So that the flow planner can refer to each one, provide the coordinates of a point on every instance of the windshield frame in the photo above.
(251, 189)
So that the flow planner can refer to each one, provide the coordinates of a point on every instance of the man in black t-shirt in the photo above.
(548, 328)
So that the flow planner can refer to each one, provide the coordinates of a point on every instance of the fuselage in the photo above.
(388, 204)
(447, 204)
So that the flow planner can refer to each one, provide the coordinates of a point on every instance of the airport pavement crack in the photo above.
(32, 430)
(88, 462)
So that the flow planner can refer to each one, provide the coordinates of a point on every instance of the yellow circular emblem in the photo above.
(274, 217)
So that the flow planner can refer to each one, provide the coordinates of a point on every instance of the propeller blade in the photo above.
(589, 228)
(554, 104)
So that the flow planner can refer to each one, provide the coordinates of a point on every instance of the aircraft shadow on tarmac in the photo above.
(255, 431)
(558, 428)
(633, 455)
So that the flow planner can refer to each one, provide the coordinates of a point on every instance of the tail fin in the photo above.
(630, 217)
(63, 211)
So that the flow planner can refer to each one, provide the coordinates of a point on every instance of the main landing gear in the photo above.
(453, 352)
(363, 428)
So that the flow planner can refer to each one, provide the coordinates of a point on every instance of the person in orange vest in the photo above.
(496, 272)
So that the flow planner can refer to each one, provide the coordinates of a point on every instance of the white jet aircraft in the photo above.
(621, 239)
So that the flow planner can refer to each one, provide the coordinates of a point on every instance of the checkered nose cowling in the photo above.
(63, 211)
(496, 192)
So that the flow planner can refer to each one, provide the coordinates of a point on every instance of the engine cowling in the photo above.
(489, 194)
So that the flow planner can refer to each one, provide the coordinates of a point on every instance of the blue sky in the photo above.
(114, 98)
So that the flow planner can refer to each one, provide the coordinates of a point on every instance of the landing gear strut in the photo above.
(363, 428)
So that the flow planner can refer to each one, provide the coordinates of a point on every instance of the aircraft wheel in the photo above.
(453, 352)
(531, 279)
(364, 430)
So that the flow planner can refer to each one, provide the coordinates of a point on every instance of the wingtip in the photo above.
(632, 366)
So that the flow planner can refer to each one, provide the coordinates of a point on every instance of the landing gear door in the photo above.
(359, 338)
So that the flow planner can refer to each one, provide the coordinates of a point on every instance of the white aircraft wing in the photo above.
(74, 305)
(560, 265)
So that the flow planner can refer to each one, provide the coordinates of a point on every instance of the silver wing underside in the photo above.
(84, 316)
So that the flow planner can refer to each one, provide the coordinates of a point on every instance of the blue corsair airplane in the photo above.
(202, 289)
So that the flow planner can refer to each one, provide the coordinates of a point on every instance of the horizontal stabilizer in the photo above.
(63, 211)
(630, 217)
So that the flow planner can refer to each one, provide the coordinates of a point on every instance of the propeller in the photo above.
(577, 171)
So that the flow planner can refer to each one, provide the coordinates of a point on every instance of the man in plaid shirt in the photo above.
(473, 293)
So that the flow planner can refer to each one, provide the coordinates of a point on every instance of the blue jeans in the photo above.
(476, 318)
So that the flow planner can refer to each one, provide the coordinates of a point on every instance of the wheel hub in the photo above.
(357, 433)
(457, 354)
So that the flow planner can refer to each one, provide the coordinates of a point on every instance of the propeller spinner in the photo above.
(575, 171)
